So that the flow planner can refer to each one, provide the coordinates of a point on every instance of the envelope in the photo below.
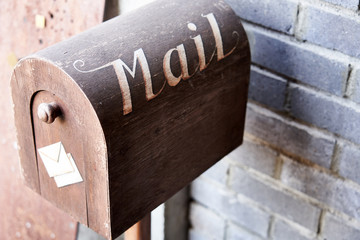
(55, 160)
(69, 178)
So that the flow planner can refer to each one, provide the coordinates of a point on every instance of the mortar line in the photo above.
(334, 158)
(270, 230)
(320, 224)
(348, 82)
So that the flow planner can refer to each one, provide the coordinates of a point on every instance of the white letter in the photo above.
(218, 39)
(119, 67)
(200, 48)
(171, 79)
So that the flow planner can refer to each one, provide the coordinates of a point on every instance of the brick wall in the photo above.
(297, 175)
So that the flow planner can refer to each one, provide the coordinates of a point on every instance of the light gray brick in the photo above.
(336, 229)
(284, 231)
(291, 138)
(349, 162)
(330, 29)
(194, 235)
(207, 222)
(85, 233)
(297, 61)
(130, 5)
(255, 156)
(278, 201)
(279, 14)
(236, 233)
(320, 185)
(325, 112)
(353, 91)
(351, 4)
(267, 88)
(218, 172)
(225, 204)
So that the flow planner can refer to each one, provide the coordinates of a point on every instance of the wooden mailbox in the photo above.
(114, 121)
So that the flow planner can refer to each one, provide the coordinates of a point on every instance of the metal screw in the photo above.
(48, 112)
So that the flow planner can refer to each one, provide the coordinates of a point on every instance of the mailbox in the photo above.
(114, 121)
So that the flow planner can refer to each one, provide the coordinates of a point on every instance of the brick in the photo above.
(325, 112)
(278, 201)
(236, 233)
(226, 204)
(207, 222)
(353, 91)
(298, 61)
(194, 235)
(255, 156)
(85, 233)
(218, 172)
(130, 5)
(279, 15)
(292, 138)
(338, 30)
(322, 186)
(267, 89)
(349, 162)
(284, 231)
(350, 4)
(336, 229)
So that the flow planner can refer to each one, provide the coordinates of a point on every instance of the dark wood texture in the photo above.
(72, 199)
(140, 134)
(24, 214)
(35, 81)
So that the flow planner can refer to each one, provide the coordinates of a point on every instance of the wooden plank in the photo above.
(24, 214)
(60, 130)
(83, 136)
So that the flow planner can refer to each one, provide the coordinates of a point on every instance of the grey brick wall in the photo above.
(297, 174)
(326, 27)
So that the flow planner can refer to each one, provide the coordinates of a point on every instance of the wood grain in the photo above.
(150, 102)
(80, 131)
(24, 214)
(71, 199)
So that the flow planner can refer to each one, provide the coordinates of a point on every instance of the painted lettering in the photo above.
(119, 67)
(172, 80)
(200, 48)
(218, 38)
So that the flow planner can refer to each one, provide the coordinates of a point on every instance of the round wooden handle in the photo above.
(48, 112)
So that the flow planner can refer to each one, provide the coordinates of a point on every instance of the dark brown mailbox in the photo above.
(114, 121)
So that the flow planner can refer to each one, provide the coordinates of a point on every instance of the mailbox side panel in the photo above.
(160, 147)
(38, 81)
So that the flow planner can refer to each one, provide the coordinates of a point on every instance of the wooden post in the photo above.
(140, 230)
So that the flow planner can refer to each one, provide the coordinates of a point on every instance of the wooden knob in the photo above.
(48, 112)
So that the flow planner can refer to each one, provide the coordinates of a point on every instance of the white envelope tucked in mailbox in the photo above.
(55, 160)
(69, 178)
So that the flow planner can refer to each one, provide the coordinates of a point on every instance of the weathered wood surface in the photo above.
(24, 214)
(153, 100)
(35, 81)
(45, 134)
